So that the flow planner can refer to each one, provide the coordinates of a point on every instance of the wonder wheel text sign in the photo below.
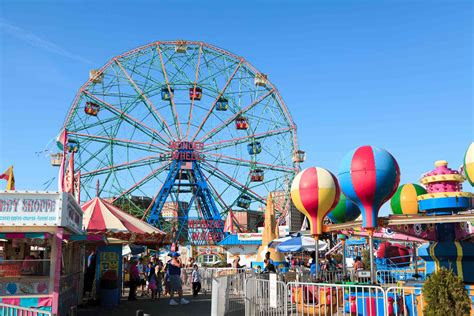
(201, 231)
(186, 151)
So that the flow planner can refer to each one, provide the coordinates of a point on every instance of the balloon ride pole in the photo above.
(316, 254)
(371, 250)
(344, 268)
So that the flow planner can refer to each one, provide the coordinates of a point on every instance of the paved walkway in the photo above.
(198, 306)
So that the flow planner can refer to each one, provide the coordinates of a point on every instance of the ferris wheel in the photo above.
(182, 123)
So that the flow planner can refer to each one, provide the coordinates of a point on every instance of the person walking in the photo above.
(196, 277)
(152, 280)
(159, 278)
(134, 280)
(141, 271)
(174, 269)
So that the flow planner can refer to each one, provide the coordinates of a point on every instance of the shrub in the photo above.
(366, 259)
(444, 294)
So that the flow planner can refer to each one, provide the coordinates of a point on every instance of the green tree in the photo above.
(366, 259)
(444, 294)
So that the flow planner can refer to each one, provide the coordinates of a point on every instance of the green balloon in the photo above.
(345, 211)
(404, 201)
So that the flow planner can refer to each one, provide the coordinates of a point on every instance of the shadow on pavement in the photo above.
(198, 306)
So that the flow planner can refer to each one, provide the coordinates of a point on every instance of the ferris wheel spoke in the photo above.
(244, 139)
(154, 134)
(173, 105)
(146, 101)
(121, 166)
(234, 182)
(226, 123)
(145, 146)
(190, 116)
(144, 180)
(217, 99)
(248, 163)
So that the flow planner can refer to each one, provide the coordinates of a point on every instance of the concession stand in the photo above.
(40, 264)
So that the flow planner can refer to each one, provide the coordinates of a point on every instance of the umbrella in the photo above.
(104, 218)
(300, 243)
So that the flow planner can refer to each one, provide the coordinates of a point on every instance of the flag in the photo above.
(229, 223)
(8, 175)
(69, 176)
(61, 141)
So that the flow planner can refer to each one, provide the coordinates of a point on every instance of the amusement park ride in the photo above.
(182, 124)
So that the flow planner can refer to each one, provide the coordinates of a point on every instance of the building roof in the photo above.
(233, 239)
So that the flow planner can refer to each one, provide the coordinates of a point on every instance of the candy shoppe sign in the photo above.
(39, 209)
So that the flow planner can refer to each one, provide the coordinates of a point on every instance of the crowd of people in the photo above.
(156, 279)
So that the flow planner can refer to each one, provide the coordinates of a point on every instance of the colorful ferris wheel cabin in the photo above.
(254, 148)
(92, 108)
(256, 175)
(241, 123)
(260, 79)
(195, 93)
(72, 145)
(166, 93)
(299, 156)
(222, 104)
(244, 201)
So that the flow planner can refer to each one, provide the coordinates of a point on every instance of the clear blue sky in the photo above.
(395, 74)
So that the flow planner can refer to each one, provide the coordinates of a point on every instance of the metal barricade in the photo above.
(334, 299)
(265, 297)
(207, 274)
(393, 276)
(12, 310)
(404, 301)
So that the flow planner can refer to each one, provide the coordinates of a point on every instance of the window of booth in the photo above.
(24, 266)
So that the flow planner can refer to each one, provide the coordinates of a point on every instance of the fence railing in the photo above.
(263, 298)
(12, 310)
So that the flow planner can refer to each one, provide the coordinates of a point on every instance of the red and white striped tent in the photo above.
(104, 218)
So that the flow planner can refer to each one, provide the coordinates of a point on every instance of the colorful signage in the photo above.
(23, 208)
(249, 236)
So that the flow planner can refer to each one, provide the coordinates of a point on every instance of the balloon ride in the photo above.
(369, 176)
(315, 192)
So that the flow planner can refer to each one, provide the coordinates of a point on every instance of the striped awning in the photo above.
(104, 218)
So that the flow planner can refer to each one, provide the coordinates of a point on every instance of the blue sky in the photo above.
(395, 74)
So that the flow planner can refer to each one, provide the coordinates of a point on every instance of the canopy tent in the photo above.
(104, 218)
(297, 244)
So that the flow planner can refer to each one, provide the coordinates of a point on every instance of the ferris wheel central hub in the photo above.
(186, 151)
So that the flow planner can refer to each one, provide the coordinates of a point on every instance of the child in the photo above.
(152, 280)
(196, 277)
(159, 278)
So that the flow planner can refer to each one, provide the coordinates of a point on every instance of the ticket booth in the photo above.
(39, 266)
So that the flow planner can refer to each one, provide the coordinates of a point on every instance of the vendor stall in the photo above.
(102, 218)
(39, 266)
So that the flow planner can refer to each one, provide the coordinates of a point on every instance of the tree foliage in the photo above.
(444, 293)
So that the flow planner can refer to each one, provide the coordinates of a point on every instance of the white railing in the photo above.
(12, 310)
(207, 274)
(404, 301)
(264, 297)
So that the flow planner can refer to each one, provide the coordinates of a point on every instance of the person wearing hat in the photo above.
(174, 270)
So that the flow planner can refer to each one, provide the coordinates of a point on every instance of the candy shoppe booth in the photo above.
(40, 267)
